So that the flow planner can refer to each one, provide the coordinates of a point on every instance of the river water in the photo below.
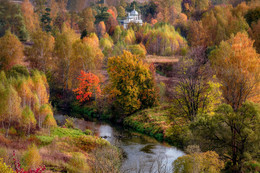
(141, 153)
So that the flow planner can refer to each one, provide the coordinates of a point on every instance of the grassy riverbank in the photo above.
(60, 149)
(158, 122)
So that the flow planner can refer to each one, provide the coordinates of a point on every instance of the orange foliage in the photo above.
(89, 84)
(153, 21)
(112, 13)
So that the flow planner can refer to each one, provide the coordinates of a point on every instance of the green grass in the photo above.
(66, 132)
(46, 139)
(158, 123)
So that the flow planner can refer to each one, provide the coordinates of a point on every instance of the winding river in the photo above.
(141, 152)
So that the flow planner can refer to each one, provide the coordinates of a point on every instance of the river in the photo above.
(141, 152)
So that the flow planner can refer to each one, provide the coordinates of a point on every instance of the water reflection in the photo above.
(142, 153)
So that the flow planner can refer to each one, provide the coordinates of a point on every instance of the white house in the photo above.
(133, 17)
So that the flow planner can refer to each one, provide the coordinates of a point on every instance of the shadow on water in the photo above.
(141, 153)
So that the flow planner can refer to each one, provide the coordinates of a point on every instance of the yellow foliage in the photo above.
(78, 164)
(4, 168)
(237, 66)
(49, 121)
(32, 158)
(30, 18)
(199, 162)
(11, 51)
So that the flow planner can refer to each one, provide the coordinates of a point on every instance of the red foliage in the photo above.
(18, 168)
(89, 84)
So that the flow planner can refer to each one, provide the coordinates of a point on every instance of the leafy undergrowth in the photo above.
(158, 123)
(45, 138)
(62, 150)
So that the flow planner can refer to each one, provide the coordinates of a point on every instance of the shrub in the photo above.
(49, 121)
(45, 140)
(18, 168)
(69, 123)
(138, 49)
(199, 162)
(4, 168)
(88, 143)
(109, 157)
(32, 158)
(77, 164)
(88, 132)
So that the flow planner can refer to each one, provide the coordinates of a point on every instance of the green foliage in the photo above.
(60, 133)
(46, 20)
(69, 123)
(252, 166)
(64, 132)
(129, 36)
(83, 111)
(106, 45)
(49, 121)
(11, 18)
(88, 132)
(196, 91)
(18, 71)
(137, 49)
(117, 34)
(156, 122)
(164, 40)
(121, 12)
(253, 15)
(230, 133)
(45, 140)
(131, 84)
(28, 119)
(102, 14)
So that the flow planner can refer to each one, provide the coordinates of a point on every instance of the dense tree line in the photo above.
(72, 55)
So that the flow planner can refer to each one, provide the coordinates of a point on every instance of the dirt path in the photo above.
(162, 59)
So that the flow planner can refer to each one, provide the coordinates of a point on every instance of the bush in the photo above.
(199, 162)
(88, 143)
(32, 158)
(138, 49)
(77, 164)
(45, 140)
(110, 158)
(88, 132)
(69, 123)
(4, 168)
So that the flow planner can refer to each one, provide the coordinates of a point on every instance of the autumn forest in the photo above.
(93, 86)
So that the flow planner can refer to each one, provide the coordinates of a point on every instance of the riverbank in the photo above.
(160, 124)
(60, 149)
(157, 122)
(141, 152)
